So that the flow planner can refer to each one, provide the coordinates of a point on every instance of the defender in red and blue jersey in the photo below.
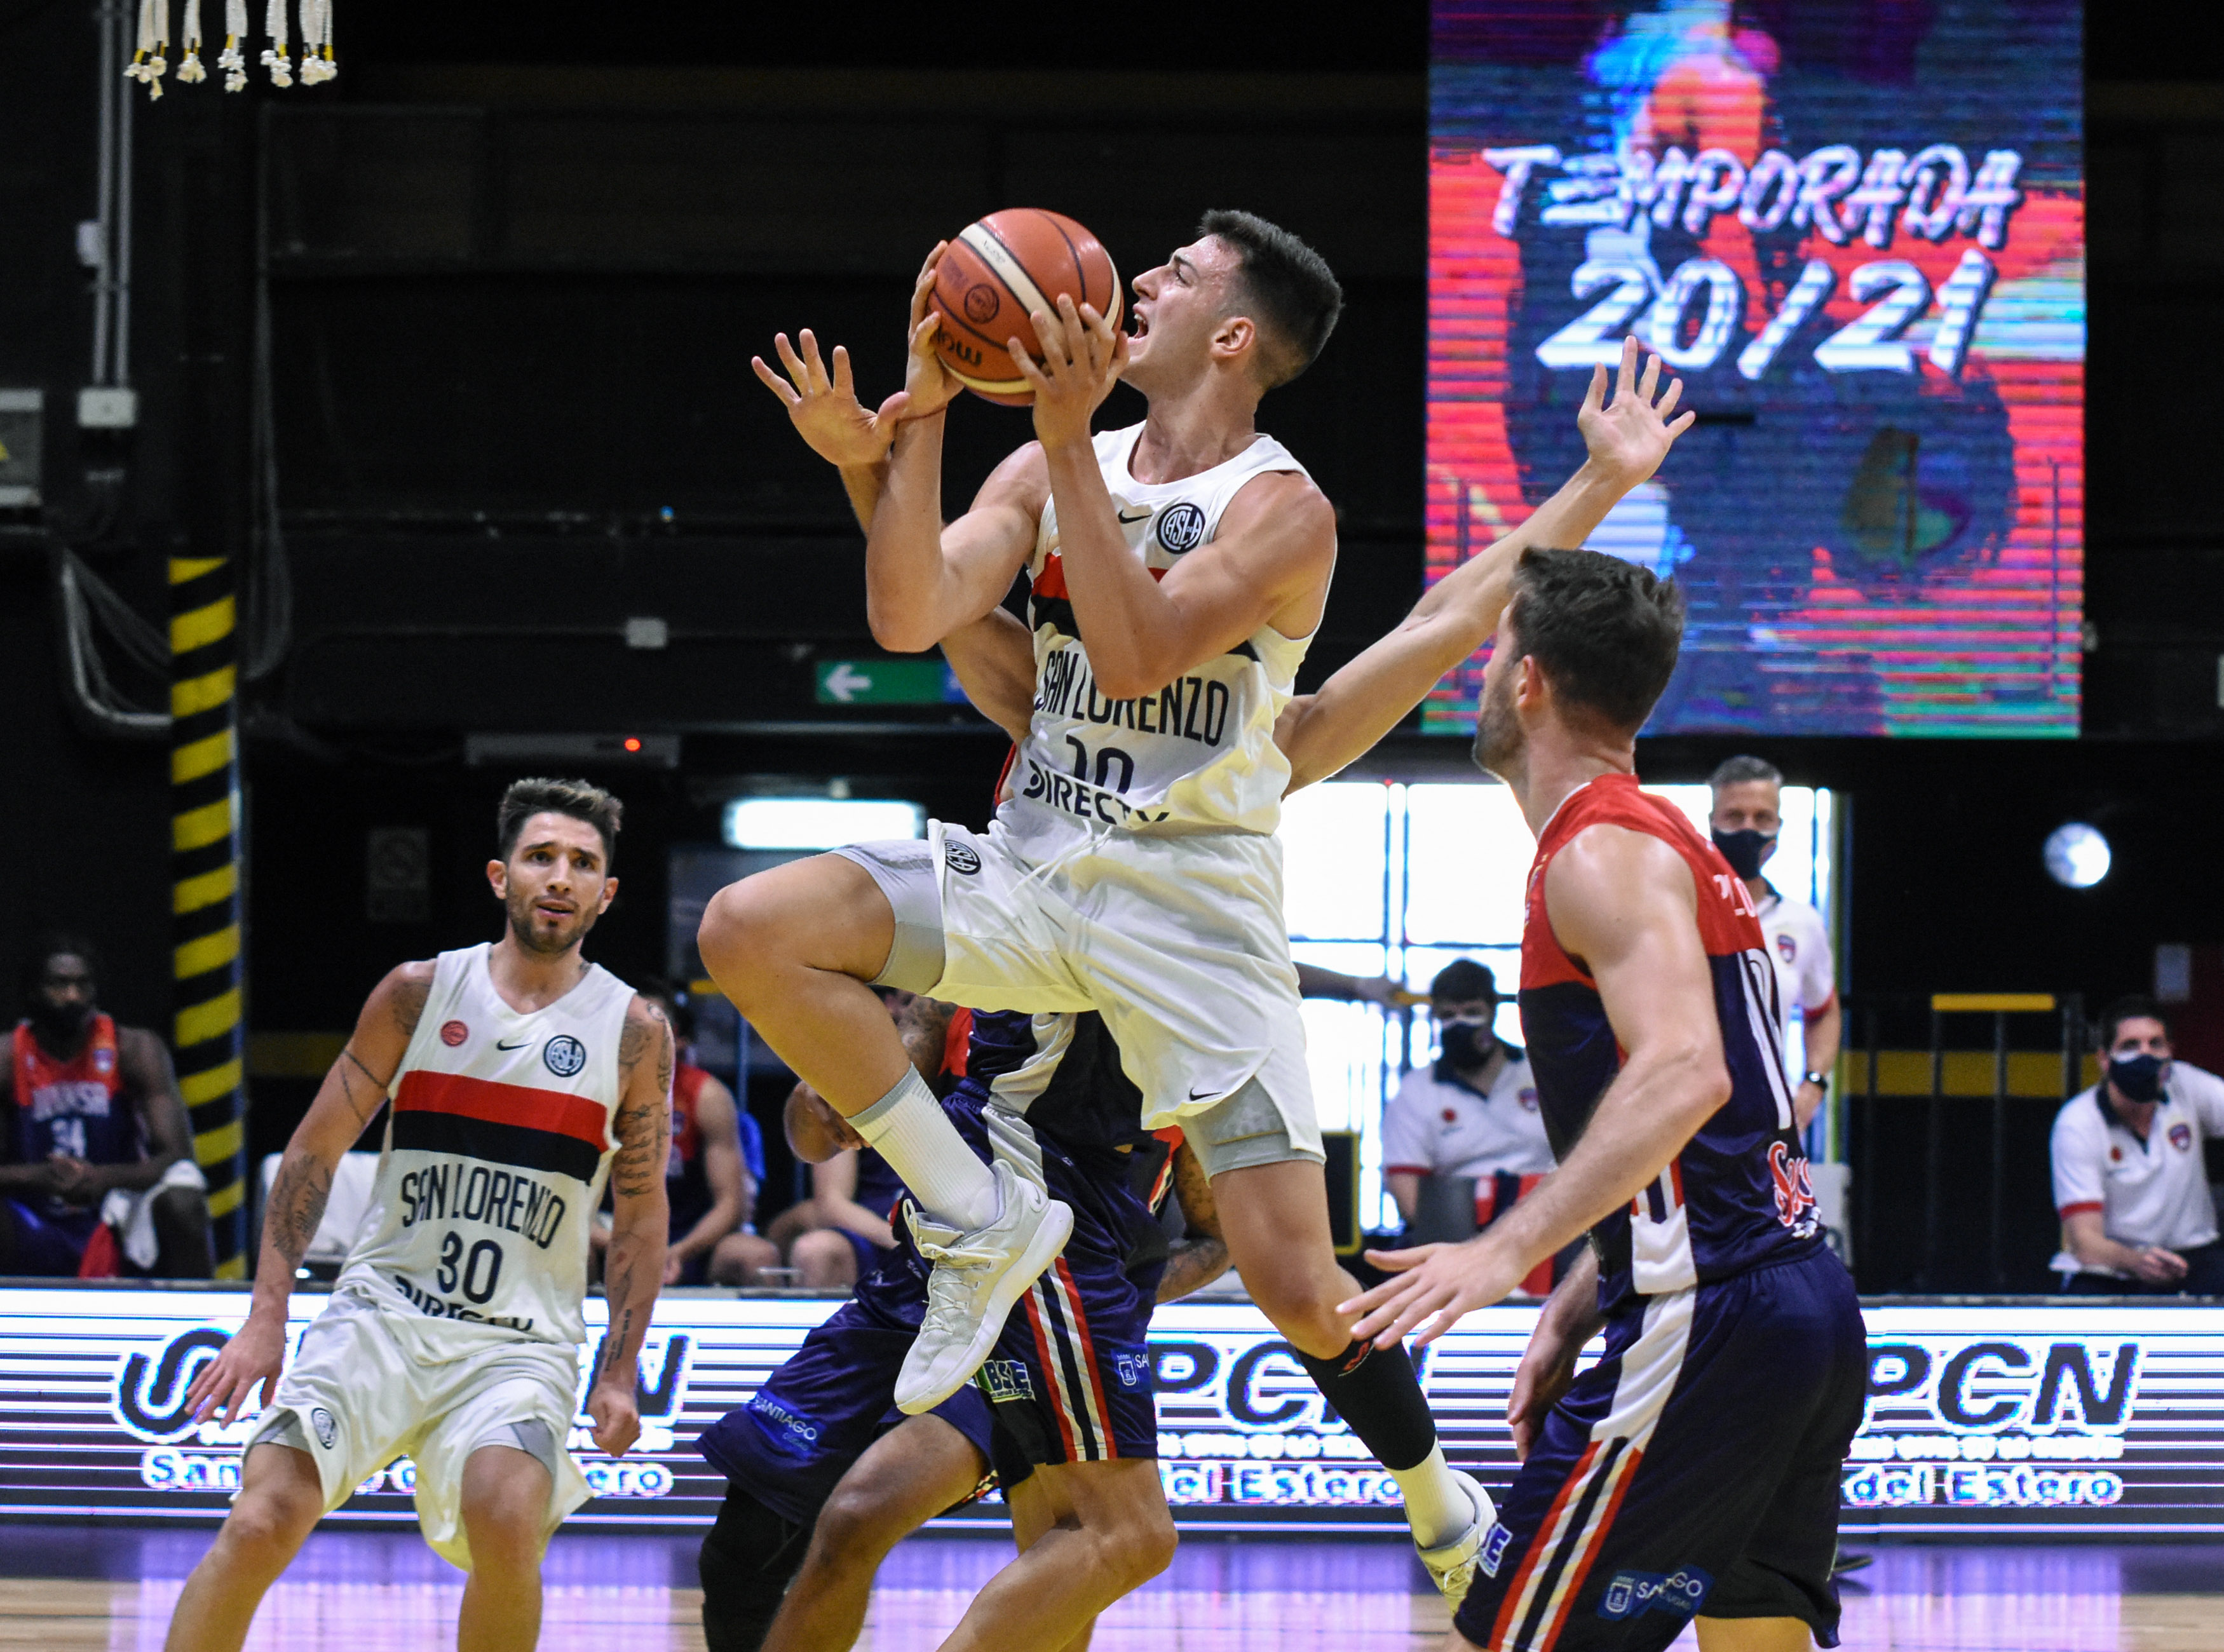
(1694, 1470)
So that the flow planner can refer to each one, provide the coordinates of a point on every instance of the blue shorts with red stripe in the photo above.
(836, 1395)
(1693, 1471)
(1070, 1378)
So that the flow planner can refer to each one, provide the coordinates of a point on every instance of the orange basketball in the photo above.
(994, 272)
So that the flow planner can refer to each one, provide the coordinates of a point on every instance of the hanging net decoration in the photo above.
(150, 62)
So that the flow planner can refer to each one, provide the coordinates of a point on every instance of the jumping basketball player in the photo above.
(453, 1332)
(1694, 1470)
(1628, 440)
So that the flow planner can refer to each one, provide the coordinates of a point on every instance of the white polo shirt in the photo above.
(2151, 1192)
(1806, 979)
(1436, 1125)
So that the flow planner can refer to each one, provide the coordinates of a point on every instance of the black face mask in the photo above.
(2137, 1078)
(1744, 849)
(1466, 1044)
(57, 1025)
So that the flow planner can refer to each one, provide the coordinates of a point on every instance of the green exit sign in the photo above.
(886, 682)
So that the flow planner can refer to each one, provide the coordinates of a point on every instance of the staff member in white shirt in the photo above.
(1472, 1111)
(1747, 815)
(2130, 1179)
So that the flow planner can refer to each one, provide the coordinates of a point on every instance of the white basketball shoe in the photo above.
(1452, 1564)
(978, 1276)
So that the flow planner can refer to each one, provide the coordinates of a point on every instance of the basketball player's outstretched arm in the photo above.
(1627, 438)
(1624, 903)
(1269, 562)
(641, 1220)
(350, 1096)
(1200, 1255)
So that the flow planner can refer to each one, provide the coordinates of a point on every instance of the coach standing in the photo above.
(2130, 1180)
(1748, 793)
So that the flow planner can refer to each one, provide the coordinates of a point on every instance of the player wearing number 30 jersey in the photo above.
(519, 1076)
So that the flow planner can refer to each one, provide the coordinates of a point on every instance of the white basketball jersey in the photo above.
(496, 1145)
(1200, 753)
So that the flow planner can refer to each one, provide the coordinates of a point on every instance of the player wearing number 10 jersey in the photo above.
(519, 1076)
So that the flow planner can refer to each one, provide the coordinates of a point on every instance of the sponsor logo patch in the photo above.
(328, 1429)
(1787, 949)
(1007, 1379)
(565, 1054)
(1631, 1594)
(961, 858)
(452, 1033)
(2181, 1138)
(1131, 1366)
(104, 1061)
(1181, 528)
(1493, 1550)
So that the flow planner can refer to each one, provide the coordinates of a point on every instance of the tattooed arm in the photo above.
(639, 1223)
(1201, 1257)
(349, 1097)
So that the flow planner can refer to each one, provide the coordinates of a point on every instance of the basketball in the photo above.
(994, 272)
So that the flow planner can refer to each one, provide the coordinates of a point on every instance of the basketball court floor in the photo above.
(70, 1588)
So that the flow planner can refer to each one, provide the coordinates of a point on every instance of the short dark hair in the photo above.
(528, 797)
(1298, 295)
(2131, 1007)
(1463, 980)
(1744, 771)
(50, 945)
(673, 997)
(1607, 632)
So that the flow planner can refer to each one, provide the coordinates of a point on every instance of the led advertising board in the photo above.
(2010, 1419)
(1856, 229)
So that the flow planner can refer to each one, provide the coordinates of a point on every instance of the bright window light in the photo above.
(2077, 855)
(818, 822)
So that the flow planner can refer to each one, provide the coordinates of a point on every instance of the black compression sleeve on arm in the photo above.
(1374, 1391)
(749, 1556)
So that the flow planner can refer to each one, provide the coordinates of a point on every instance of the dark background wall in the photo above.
(514, 277)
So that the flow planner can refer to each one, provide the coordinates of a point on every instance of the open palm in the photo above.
(1631, 434)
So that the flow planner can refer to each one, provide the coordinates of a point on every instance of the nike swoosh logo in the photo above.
(1137, 517)
(520, 1044)
(1200, 1095)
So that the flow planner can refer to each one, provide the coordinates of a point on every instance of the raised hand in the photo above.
(1083, 355)
(1629, 436)
(824, 408)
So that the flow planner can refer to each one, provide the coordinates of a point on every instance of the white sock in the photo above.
(1437, 1507)
(909, 1128)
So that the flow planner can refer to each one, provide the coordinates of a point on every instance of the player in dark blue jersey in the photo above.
(1694, 1470)
(826, 1476)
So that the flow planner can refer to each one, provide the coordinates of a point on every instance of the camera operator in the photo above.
(2130, 1180)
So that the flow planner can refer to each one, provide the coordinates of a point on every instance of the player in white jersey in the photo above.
(1204, 562)
(519, 1076)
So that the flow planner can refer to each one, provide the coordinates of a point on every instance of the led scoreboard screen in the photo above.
(2010, 1419)
(1856, 228)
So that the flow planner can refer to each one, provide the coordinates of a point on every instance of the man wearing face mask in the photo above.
(1472, 1111)
(2130, 1179)
(1747, 815)
(102, 1168)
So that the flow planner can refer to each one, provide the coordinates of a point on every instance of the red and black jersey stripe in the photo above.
(501, 1124)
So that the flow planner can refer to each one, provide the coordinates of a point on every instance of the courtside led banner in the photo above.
(2032, 1420)
(1857, 230)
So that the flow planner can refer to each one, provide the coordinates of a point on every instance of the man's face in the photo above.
(1179, 308)
(62, 1002)
(2139, 1035)
(1500, 739)
(1749, 806)
(555, 883)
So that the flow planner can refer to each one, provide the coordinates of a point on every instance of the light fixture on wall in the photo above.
(819, 822)
(2077, 855)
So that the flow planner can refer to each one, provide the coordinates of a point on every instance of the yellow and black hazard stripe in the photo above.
(205, 863)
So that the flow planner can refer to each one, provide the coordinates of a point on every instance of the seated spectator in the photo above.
(708, 1179)
(2130, 1179)
(101, 1179)
(1473, 1113)
(835, 1238)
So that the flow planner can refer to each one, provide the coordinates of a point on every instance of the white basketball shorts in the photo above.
(358, 1394)
(1176, 941)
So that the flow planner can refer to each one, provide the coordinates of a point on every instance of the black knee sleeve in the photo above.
(1376, 1392)
(749, 1557)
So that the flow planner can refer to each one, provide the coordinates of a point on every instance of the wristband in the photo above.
(1821, 1079)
